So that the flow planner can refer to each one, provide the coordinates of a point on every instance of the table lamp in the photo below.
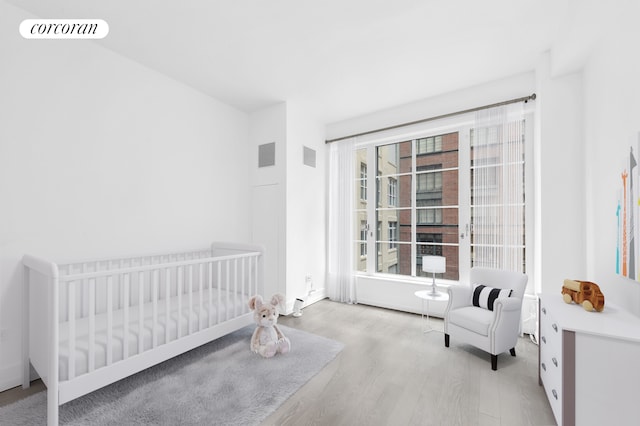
(434, 264)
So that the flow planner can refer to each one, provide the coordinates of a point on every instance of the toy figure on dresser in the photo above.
(584, 293)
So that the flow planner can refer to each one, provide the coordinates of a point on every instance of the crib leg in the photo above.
(52, 406)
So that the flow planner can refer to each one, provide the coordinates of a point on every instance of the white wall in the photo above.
(100, 156)
(288, 214)
(306, 211)
(268, 211)
(472, 97)
(559, 179)
(612, 124)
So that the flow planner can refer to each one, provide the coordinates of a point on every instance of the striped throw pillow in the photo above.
(484, 296)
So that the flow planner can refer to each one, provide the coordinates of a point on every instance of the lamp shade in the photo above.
(434, 264)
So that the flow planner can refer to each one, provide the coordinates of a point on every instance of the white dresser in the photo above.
(589, 363)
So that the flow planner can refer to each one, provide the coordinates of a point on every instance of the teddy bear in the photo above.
(267, 339)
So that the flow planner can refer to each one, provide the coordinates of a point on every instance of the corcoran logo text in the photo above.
(64, 28)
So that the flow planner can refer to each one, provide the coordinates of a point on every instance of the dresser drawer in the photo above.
(550, 336)
(551, 359)
(551, 376)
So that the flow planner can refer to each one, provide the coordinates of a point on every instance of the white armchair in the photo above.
(494, 331)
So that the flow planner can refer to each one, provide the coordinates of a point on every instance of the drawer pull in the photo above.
(555, 394)
(555, 361)
(544, 339)
(544, 367)
(544, 311)
(555, 327)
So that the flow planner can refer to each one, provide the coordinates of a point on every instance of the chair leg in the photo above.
(494, 362)
(513, 351)
(446, 340)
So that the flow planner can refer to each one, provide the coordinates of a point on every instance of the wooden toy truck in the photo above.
(584, 293)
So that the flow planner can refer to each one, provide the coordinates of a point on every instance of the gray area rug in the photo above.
(220, 383)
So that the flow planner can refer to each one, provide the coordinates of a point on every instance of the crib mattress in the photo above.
(191, 315)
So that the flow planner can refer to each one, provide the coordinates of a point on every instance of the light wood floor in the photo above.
(391, 373)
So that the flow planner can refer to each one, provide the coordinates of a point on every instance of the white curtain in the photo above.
(497, 188)
(340, 244)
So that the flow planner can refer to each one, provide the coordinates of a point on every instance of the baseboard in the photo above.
(316, 296)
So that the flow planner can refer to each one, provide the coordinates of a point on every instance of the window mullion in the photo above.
(372, 196)
(414, 250)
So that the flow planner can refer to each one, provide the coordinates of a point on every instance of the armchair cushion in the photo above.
(485, 296)
(472, 318)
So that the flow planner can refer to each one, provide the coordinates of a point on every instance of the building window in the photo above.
(363, 238)
(429, 145)
(393, 192)
(393, 235)
(428, 212)
(363, 181)
(430, 179)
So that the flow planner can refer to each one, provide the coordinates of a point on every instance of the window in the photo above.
(433, 202)
(393, 235)
(363, 238)
(497, 202)
(458, 194)
(394, 206)
(363, 181)
(429, 178)
(393, 191)
(427, 214)
(429, 145)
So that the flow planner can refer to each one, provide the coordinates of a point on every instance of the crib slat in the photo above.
(109, 358)
(92, 325)
(210, 272)
(179, 320)
(71, 307)
(255, 274)
(125, 325)
(82, 311)
(235, 287)
(242, 280)
(140, 312)
(167, 307)
(227, 287)
(154, 283)
(219, 301)
(200, 313)
(190, 310)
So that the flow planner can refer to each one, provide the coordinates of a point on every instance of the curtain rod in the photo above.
(524, 99)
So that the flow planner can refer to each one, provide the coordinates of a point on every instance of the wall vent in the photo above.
(267, 154)
(309, 157)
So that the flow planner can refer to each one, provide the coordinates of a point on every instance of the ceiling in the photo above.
(340, 58)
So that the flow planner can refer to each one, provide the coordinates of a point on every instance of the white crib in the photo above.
(93, 323)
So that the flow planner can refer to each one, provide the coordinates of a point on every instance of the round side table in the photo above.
(429, 296)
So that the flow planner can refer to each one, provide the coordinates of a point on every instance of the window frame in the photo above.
(463, 126)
